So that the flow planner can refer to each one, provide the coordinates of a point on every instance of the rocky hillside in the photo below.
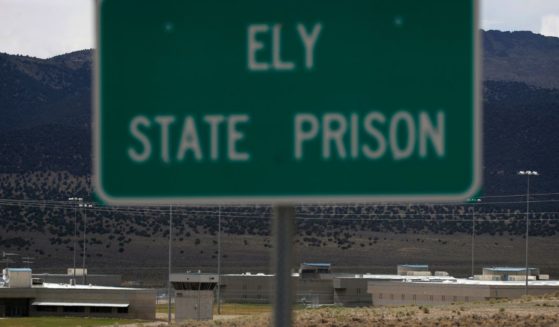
(45, 154)
(521, 57)
(37, 92)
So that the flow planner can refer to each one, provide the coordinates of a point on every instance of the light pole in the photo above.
(84, 206)
(474, 200)
(527, 173)
(75, 230)
(6, 258)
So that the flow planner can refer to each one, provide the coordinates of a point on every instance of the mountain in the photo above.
(520, 133)
(45, 111)
(524, 57)
(45, 91)
(521, 110)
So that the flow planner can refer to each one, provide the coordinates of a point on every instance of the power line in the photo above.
(65, 206)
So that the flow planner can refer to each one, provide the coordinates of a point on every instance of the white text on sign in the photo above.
(267, 37)
(338, 136)
(142, 127)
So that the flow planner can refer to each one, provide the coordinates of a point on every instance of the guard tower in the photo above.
(194, 295)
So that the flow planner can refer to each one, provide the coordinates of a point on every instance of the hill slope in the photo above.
(521, 57)
(45, 153)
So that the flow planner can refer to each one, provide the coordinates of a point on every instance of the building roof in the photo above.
(194, 278)
(83, 287)
(255, 274)
(463, 281)
(414, 266)
(80, 304)
(508, 269)
(400, 277)
(78, 287)
(18, 269)
(317, 264)
(71, 275)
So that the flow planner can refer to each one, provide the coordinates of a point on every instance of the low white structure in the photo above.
(413, 270)
(17, 277)
(509, 273)
(76, 271)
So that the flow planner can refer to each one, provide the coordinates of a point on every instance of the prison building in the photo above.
(21, 295)
(315, 284)
(351, 291)
(432, 292)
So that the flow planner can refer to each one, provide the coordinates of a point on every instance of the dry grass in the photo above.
(234, 309)
(67, 322)
(529, 311)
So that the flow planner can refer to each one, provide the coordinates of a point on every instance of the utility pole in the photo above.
(527, 173)
(6, 258)
(473, 233)
(75, 231)
(84, 206)
(170, 258)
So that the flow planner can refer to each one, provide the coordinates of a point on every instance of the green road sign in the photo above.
(296, 100)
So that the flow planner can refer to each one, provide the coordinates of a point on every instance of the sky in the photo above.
(46, 28)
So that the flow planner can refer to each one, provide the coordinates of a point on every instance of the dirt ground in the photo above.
(527, 311)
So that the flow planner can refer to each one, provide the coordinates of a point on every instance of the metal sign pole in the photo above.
(219, 260)
(473, 239)
(169, 307)
(283, 231)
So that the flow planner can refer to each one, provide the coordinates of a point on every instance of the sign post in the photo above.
(284, 231)
(215, 101)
